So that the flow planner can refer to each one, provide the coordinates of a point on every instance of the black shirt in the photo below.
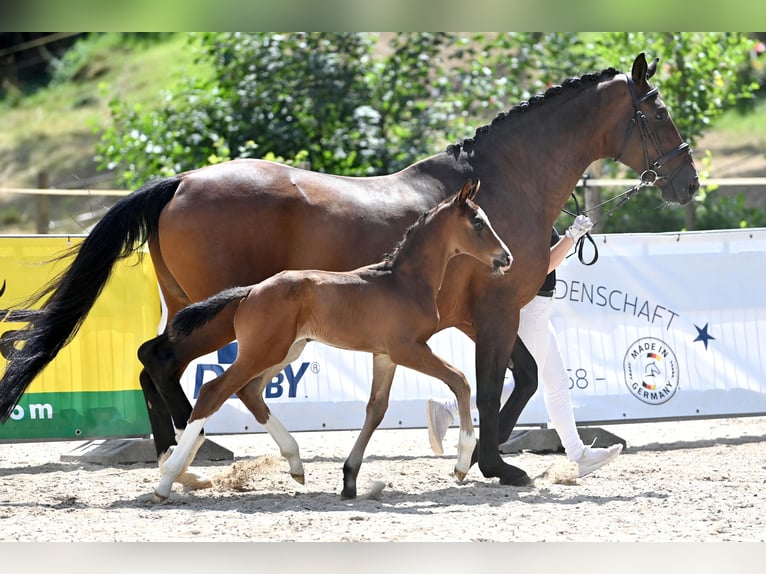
(550, 280)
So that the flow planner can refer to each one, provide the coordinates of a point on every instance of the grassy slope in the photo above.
(56, 130)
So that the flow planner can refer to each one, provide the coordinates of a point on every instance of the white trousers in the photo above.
(536, 330)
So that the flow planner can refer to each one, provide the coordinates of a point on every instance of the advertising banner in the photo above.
(663, 326)
(91, 388)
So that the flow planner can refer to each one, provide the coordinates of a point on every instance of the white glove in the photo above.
(582, 225)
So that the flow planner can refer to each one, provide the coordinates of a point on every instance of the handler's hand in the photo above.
(582, 225)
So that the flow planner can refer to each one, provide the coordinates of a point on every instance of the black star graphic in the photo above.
(702, 335)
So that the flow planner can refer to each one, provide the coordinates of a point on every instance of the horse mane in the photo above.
(388, 259)
(572, 83)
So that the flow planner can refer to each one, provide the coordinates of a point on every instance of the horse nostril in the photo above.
(694, 186)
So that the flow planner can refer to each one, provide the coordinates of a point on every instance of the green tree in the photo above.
(345, 103)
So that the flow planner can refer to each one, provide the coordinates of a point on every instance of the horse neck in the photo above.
(421, 259)
(544, 151)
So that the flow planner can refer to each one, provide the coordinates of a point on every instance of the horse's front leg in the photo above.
(420, 358)
(383, 370)
(494, 342)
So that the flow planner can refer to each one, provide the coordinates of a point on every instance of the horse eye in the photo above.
(478, 224)
(661, 115)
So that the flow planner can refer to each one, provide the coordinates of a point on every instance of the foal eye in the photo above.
(478, 223)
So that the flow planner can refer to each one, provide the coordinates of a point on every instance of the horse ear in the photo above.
(652, 68)
(639, 72)
(475, 189)
(464, 193)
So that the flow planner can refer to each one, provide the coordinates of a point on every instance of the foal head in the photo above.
(470, 231)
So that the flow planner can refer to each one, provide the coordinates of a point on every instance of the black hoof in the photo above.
(348, 493)
(516, 477)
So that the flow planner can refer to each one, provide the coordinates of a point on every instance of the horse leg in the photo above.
(420, 358)
(211, 397)
(383, 370)
(525, 385)
(251, 396)
(494, 343)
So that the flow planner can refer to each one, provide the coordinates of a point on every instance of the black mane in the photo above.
(389, 258)
(536, 100)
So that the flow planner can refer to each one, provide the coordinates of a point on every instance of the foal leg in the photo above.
(383, 370)
(251, 396)
(211, 396)
(420, 358)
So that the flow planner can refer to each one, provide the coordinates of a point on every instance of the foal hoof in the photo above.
(157, 498)
(299, 478)
(459, 475)
(519, 478)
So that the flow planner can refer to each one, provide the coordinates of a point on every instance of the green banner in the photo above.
(77, 416)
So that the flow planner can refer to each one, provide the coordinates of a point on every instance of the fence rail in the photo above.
(582, 182)
(43, 192)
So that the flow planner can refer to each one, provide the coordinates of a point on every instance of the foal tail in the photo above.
(124, 228)
(198, 314)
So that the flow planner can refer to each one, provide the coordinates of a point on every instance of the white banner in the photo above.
(663, 326)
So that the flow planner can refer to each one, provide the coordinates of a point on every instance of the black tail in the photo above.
(198, 314)
(124, 228)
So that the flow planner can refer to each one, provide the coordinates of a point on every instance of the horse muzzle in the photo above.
(502, 263)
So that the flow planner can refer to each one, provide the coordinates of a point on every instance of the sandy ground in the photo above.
(694, 481)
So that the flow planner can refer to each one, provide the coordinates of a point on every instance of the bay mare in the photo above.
(386, 308)
(215, 227)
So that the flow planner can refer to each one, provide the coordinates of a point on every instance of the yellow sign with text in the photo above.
(92, 386)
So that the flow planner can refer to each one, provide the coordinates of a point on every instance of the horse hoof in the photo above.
(299, 478)
(348, 494)
(157, 498)
(459, 475)
(519, 478)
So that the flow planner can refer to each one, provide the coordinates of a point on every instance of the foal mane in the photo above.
(389, 258)
(572, 83)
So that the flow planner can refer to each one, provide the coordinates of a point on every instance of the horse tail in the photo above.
(124, 228)
(196, 315)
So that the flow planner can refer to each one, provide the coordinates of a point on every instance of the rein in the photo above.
(648, 177)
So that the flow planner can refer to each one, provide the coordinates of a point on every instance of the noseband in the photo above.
(650, 175)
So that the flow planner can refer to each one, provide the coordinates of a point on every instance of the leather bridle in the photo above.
(650, 176)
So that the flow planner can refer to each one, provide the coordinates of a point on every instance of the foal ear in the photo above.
(465, 193)
(475, 189)
(640, 70)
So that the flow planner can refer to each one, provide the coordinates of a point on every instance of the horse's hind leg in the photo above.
(211, 396)
(383, 370)
(162, 389)
(251, 396)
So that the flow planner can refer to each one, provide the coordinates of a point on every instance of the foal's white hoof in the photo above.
(459, 475)
(194, 481)
(299, 478)
(157, 498)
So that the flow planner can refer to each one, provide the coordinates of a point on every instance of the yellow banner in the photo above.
(102, 356)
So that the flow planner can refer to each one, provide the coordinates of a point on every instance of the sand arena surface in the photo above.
(693, 481)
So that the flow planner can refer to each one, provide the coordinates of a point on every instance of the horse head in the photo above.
(477, 237)
(652, 145)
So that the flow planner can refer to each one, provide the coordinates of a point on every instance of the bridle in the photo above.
(649, 176)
